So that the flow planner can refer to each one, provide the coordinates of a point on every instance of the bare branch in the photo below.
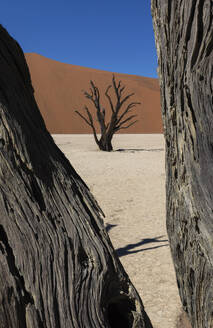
(119, 111)
(103, 113)
(90, 122)
(116, 88)
(91, 92)
(127, 110)
(122, 89)
(84, 118)
(109, 98)
(118, 91)
(108, 88)
(126, 127)
(126, 120)
(96, 93)
(89, 115)
(126, 98)
(87, 95)
(94, 96)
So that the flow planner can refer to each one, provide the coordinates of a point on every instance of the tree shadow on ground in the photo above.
(109, 226)
(132, 150)
(130, 248)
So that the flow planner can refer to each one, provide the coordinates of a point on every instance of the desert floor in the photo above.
(129, 185)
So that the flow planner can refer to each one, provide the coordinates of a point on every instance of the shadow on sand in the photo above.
(132, 150)
(109, 226)
(130, 248)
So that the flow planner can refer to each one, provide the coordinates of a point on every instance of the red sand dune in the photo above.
(58, 91)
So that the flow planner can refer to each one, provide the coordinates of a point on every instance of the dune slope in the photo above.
(58, 91)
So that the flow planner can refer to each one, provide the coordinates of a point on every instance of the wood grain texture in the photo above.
(184, 40)
(57, 265)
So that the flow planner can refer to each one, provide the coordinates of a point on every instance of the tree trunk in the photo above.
(184, 40)
(105, 143)
(57, 265)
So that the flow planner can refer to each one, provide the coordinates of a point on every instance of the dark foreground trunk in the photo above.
(57, 265)
(184, 38)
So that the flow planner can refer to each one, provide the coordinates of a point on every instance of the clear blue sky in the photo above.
(112, 35)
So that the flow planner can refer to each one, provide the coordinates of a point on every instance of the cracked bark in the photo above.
(57, 265)
(184, 41)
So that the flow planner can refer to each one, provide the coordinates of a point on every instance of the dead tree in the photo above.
(118, 118)
(57, 265)
(184, 39)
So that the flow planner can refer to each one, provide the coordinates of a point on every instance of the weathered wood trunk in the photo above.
(105, 143)
(184, 39)
(57, 265)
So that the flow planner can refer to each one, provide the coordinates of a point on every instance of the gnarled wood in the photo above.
(118, 118)
(57, 265)
(184, 39)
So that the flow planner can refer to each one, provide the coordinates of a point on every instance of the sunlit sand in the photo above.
(129, 185)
